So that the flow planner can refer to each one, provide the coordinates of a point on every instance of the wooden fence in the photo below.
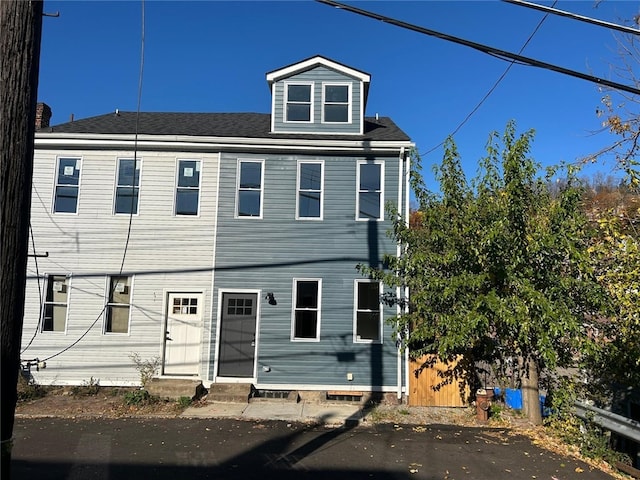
(430, 386)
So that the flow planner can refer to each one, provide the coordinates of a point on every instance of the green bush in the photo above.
(184, 402)
(139, 398)
(590, 438)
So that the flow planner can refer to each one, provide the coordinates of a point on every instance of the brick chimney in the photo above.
(43, 115)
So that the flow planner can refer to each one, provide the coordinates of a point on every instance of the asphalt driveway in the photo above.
(188, 448)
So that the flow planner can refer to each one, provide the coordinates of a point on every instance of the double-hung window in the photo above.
(368, 311)
(118, 305)
(128, 186)
(310, 187)
(188, 187)
(54, 310)
(370, 196)
(67, 186)
(306, 309)
(250, 181)
(336, 104)
(299, 104)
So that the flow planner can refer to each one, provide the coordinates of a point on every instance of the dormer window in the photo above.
(299, 102)
(336, 103)
(318, 96)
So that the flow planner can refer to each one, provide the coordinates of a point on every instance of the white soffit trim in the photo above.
(312, 62)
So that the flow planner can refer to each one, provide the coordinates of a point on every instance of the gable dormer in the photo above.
(318, 96)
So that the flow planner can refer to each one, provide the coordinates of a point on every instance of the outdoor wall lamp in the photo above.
(271, 299)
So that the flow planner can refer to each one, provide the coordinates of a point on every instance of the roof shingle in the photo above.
(245, 125)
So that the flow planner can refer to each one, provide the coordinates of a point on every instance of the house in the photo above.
(223, 244)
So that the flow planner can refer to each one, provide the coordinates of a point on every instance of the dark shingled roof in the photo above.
(248, 125)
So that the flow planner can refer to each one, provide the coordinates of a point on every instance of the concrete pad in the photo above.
(274, 411)
(212, 410)
(332, 414)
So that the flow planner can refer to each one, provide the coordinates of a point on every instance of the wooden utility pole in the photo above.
(20, 34)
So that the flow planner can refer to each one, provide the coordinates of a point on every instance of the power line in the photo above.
(484, 48)
(495, 85)
(574, 16)
(35, 259)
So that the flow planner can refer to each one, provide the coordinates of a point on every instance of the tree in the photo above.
(497, 268)
(21, 27)
(615, 364)
(619, 113)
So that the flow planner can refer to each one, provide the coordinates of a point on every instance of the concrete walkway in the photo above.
(308, 412)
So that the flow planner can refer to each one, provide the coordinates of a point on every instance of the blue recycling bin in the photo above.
(513, 399)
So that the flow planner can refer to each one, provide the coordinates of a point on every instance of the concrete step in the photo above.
(174, 388)
(230, 392)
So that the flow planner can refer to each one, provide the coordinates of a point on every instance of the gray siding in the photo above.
(165, 253)
(317, 76)
(268, 253)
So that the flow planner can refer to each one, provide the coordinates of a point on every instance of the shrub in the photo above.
(28, 389)
(184, 402)
(586, 435)
(139, 398)
(146, 368)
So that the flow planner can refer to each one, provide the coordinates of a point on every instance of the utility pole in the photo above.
(20, 35)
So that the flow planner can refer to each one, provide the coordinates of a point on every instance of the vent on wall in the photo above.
(283, 394)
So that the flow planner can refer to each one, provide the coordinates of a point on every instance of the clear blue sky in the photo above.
(212, 56)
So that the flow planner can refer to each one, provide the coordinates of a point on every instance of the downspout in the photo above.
(398, 290)
(407, 186)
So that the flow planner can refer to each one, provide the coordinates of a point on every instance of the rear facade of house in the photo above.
(224, 245)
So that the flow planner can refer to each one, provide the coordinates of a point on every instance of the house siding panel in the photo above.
(90, 246)
(267, 254)
(318, 75)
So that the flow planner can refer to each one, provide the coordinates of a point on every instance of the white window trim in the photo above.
(355, 311)
(364, 219)
(298, 216)
(56, 184)
(237, 213)
(286, 102)
(294, 292)
(107, 304)
(349, 102)
(47, 277)
(116, 185)
(177, 179)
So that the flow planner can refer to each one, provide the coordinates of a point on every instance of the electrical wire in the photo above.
(112, 287)
(495, 85)
(484, 48)
(574, 16)
(35, 259)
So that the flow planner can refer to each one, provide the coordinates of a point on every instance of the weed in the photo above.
(146, 368)
(91, 386)
(495, 411)
(139, 398)
(404, 411)
(88, 388)
(184, 402)
(28, 389)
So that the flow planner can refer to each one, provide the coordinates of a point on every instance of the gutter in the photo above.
(185, 142)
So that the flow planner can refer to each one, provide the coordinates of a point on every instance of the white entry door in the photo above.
(183, 334)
